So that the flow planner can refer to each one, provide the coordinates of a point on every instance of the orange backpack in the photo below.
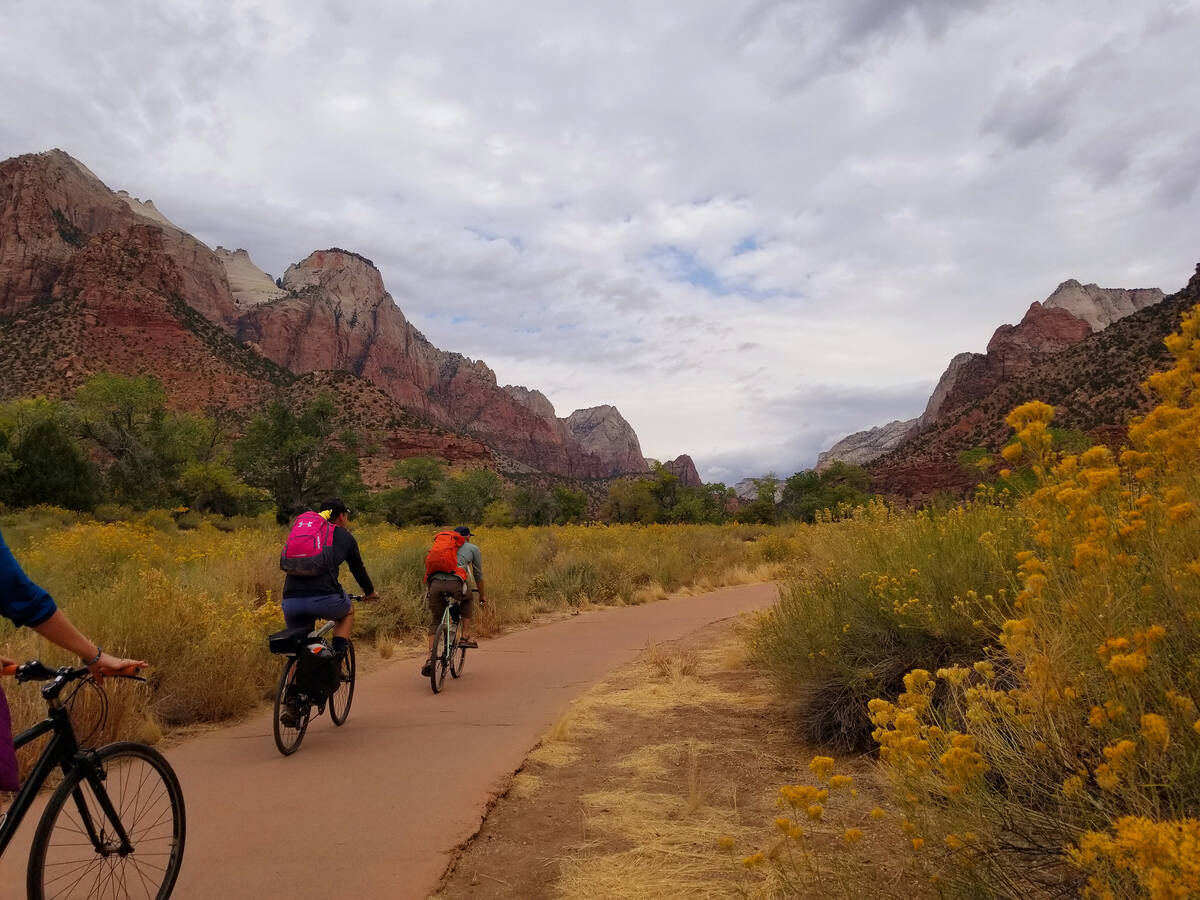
(443, 558)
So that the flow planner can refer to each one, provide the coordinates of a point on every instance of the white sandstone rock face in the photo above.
(535, 401)
(602, 430)
(1098, 306)
(250, 284)
(145, 209)
(863, 447)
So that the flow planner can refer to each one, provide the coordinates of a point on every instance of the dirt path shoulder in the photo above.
(660, 781)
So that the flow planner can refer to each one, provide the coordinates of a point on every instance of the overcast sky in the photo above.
(753, 226)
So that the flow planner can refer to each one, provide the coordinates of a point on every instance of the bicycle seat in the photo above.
(289, 639)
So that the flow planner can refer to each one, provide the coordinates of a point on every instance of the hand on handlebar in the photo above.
(372, 597)
(108, 664)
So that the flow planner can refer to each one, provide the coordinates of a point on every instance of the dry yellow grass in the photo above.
(524, 784)
(199, 603)
(554, 753)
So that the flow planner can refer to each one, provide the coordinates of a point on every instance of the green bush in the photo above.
(880, 594)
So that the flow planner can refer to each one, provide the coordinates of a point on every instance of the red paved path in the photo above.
(374, 808)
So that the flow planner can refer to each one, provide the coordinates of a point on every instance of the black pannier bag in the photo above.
(316, 672)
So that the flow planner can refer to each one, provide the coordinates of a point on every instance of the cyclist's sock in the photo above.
(340, 644)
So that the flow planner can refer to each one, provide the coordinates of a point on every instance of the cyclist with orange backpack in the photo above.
(451, 565)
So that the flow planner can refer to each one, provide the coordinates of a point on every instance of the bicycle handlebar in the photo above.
(36, 670)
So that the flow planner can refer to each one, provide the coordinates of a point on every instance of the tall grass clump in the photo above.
(1064, 760)
(878, 594)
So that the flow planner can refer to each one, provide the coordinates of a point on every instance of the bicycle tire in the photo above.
(340, 700)
(288, 737)
(438, 659)
(458, 659)
(145, 794)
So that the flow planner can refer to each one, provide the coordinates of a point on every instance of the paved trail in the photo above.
(374, 808)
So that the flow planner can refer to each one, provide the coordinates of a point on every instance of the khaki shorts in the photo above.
(442, 590)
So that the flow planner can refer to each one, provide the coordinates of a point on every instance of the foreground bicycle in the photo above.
(114, 826)
(313, 675)
(447, 653)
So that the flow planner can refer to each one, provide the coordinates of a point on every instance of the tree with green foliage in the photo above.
(532, 505)
(214, 487)
(419, 501)
(149, 446)
(763, 509)
(298, 458)
(468, 494)
(48, 466)
(631, 501)
(809, 492)
(570, 506)
(708, 503)
(498, 514)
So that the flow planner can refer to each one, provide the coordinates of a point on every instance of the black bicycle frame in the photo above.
(62, 751)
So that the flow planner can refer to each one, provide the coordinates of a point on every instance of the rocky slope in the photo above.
(1071, 314)
(863, 446)
(92, 280)
(1094, 385)
(114, 307)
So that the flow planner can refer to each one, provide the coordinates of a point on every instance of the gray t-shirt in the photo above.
(471, 559)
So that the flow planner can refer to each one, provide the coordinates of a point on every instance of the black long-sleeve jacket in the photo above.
(345, 549)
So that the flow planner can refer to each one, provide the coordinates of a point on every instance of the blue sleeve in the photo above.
(20, 599)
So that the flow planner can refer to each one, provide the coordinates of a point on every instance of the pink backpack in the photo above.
(309, 547)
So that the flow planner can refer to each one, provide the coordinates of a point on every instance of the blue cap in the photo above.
(464, 531)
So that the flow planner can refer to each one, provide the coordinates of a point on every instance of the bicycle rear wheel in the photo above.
(77, 851)
(340, 700)
(289, 736)
(439, 659)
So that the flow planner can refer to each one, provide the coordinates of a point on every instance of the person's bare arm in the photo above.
(479, 589)
(58, 629)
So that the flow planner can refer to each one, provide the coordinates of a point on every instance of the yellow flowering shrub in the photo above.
(1068, 747)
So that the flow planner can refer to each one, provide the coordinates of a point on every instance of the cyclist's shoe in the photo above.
(469, 644)
(427, 669)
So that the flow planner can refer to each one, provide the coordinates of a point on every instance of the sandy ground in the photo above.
(378, 807)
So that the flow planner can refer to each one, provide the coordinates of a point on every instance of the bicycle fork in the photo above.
(95, 776)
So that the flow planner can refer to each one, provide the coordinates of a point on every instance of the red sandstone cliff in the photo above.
(337, 315)
(122, 289)
(684, 469)
(51, 205)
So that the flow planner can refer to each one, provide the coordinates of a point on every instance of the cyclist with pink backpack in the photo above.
(317, 545)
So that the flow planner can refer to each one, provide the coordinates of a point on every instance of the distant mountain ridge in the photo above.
(92, 280)
(1072, 314)
(1093, 381)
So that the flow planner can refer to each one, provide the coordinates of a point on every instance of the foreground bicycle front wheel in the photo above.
(340, 700)
(290, 719)
(77, 849)
(439, 659)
